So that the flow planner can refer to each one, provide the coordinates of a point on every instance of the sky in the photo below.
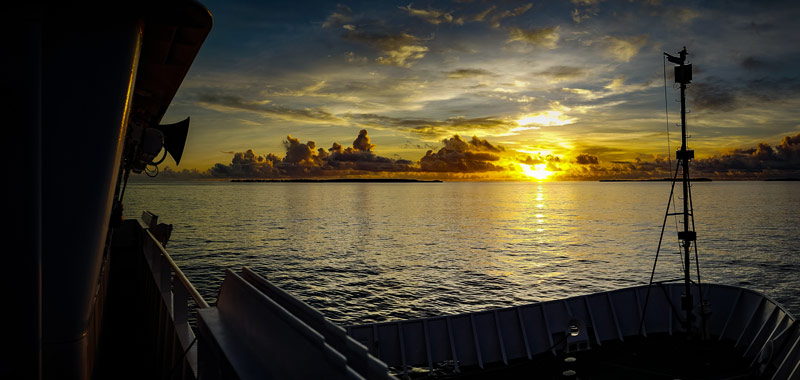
(491, 90)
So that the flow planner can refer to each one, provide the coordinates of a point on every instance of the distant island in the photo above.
(656, 180)
(370, 180)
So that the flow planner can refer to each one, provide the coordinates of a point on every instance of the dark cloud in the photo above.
(718, 95)
(758, 28)
(433, 128)
(563, 72)
(307, 160)
(544, 37)
(584, 10)
(298, 153)
(711, 96)
(459, 155)
(633, 169)
(397, 46)
(762, 161)
(772, 89)
(409, 144)
(265, 107)
(247, 165)
(587, 159)
(362, 142)
(753, 63)
(467, 73)
(538, 159)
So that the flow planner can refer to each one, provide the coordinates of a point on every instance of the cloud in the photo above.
(351, 57)
(586, 159)
(459, 155)
(584, 9)
(555, 115)
(622, 49)
(362, 142)
(586, 94)
(685, 15)
(509, 13)
(401, 56)
(717, 94)
(633, 169)
(753, 63)
(433, 16)
(550, 160)
(434, 128)
(399, 49)
(762, 161)
(342, 16)
(758, 28)
(480, 16)
(560, 73)
(298, 153)
(467, 73)
(303, 160)
(247, 165)
(265, 107)
(544, 37)
(711, 96)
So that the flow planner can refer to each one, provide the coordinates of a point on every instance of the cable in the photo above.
(186, 351)
(658, 249)
(666, 113)
(669, 144)
(697, 268)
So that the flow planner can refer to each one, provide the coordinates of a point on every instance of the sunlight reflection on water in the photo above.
(366, 252)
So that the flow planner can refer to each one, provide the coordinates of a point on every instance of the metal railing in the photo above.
(175, 348)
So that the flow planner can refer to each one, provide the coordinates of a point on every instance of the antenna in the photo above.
(688, 236)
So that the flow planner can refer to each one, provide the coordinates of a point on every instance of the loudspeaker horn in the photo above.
(175, 138)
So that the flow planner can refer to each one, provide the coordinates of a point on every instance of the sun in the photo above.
(538, 171)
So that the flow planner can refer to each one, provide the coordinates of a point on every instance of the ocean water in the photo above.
(367, 252)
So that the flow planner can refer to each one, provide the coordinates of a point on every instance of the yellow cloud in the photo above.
(544, 37)
(433, 16)
(403, 55)
(588, 94)
(555, 116)
(623, 49)
(686, 15)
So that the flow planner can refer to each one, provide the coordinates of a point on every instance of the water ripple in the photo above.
(377, 252)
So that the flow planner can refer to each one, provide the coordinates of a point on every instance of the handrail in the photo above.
(198, 299)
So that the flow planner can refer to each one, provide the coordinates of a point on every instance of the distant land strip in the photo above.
(362, 180)
(656, 180)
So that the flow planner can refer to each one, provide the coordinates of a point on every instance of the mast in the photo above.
(683, 76)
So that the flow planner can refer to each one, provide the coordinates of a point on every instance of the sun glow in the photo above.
(537, 171)
(546, 118)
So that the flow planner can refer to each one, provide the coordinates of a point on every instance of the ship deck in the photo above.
(656, 357)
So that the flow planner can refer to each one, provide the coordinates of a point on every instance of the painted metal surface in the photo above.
(171, 290)
(258, 331)
(765, 333)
